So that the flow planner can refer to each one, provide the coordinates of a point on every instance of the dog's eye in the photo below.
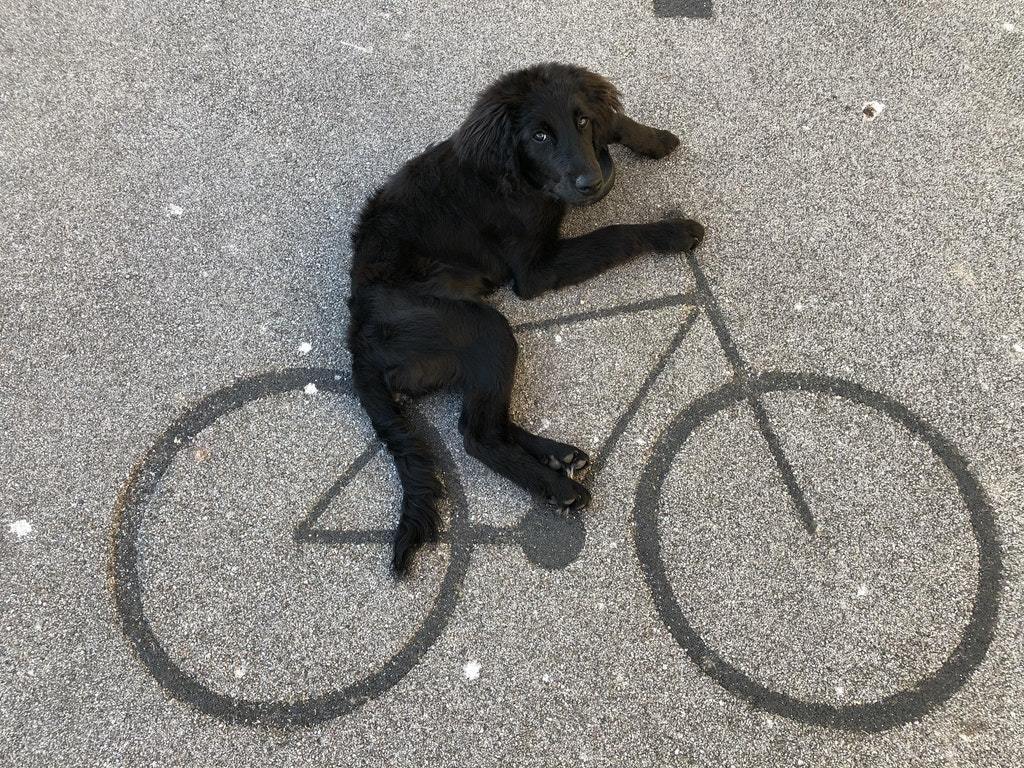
(582, 121)
(540, 136)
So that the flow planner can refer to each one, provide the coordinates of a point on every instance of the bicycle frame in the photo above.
(548, 539)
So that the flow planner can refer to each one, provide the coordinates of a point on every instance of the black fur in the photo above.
(470, 214)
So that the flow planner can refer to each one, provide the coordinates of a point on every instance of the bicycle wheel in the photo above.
(895, 709)
(143, 484)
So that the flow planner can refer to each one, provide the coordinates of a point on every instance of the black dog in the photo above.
(470, 214)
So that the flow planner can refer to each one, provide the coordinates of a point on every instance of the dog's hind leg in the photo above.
(488, 367)
(559, 456)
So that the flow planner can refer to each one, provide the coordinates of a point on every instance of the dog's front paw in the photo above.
(675, 235)
(663, 144)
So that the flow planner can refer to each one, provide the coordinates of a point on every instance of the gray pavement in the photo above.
(178, 181)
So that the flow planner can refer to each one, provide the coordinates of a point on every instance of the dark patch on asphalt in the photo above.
(694, 9)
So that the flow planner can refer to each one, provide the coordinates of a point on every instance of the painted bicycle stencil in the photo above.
(555, 541)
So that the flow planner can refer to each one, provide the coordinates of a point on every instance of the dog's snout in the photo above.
(586, 183)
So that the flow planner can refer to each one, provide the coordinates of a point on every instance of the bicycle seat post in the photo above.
(710, 304)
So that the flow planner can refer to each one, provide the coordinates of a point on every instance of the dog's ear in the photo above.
(485, 138)
(603, 98)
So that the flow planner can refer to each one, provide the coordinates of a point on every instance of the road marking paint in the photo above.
(357, 47)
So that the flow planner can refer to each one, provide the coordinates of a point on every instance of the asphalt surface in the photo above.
(177, 183)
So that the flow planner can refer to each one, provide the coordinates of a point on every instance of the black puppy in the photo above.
(477, 211)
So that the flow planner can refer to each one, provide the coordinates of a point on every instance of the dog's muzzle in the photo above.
(604, 159)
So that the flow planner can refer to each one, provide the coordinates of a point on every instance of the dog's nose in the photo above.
(588, 182)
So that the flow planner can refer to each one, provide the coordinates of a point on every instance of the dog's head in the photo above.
(547, 127)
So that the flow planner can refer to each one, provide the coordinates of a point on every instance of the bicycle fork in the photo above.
(742, 374)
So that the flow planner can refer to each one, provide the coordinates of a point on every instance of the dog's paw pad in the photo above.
(575, 498)
(581, 500)
(573, 463)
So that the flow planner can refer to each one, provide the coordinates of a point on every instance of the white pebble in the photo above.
(1018, 348)
(20, 528)
(546, 678)
(1009, 26)
(799, 307)
(175, 210)
(310, 389)
(862, 590)
(558, 338)
(840, 690)
(239, 672)
(305, 348)
(471, 670)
